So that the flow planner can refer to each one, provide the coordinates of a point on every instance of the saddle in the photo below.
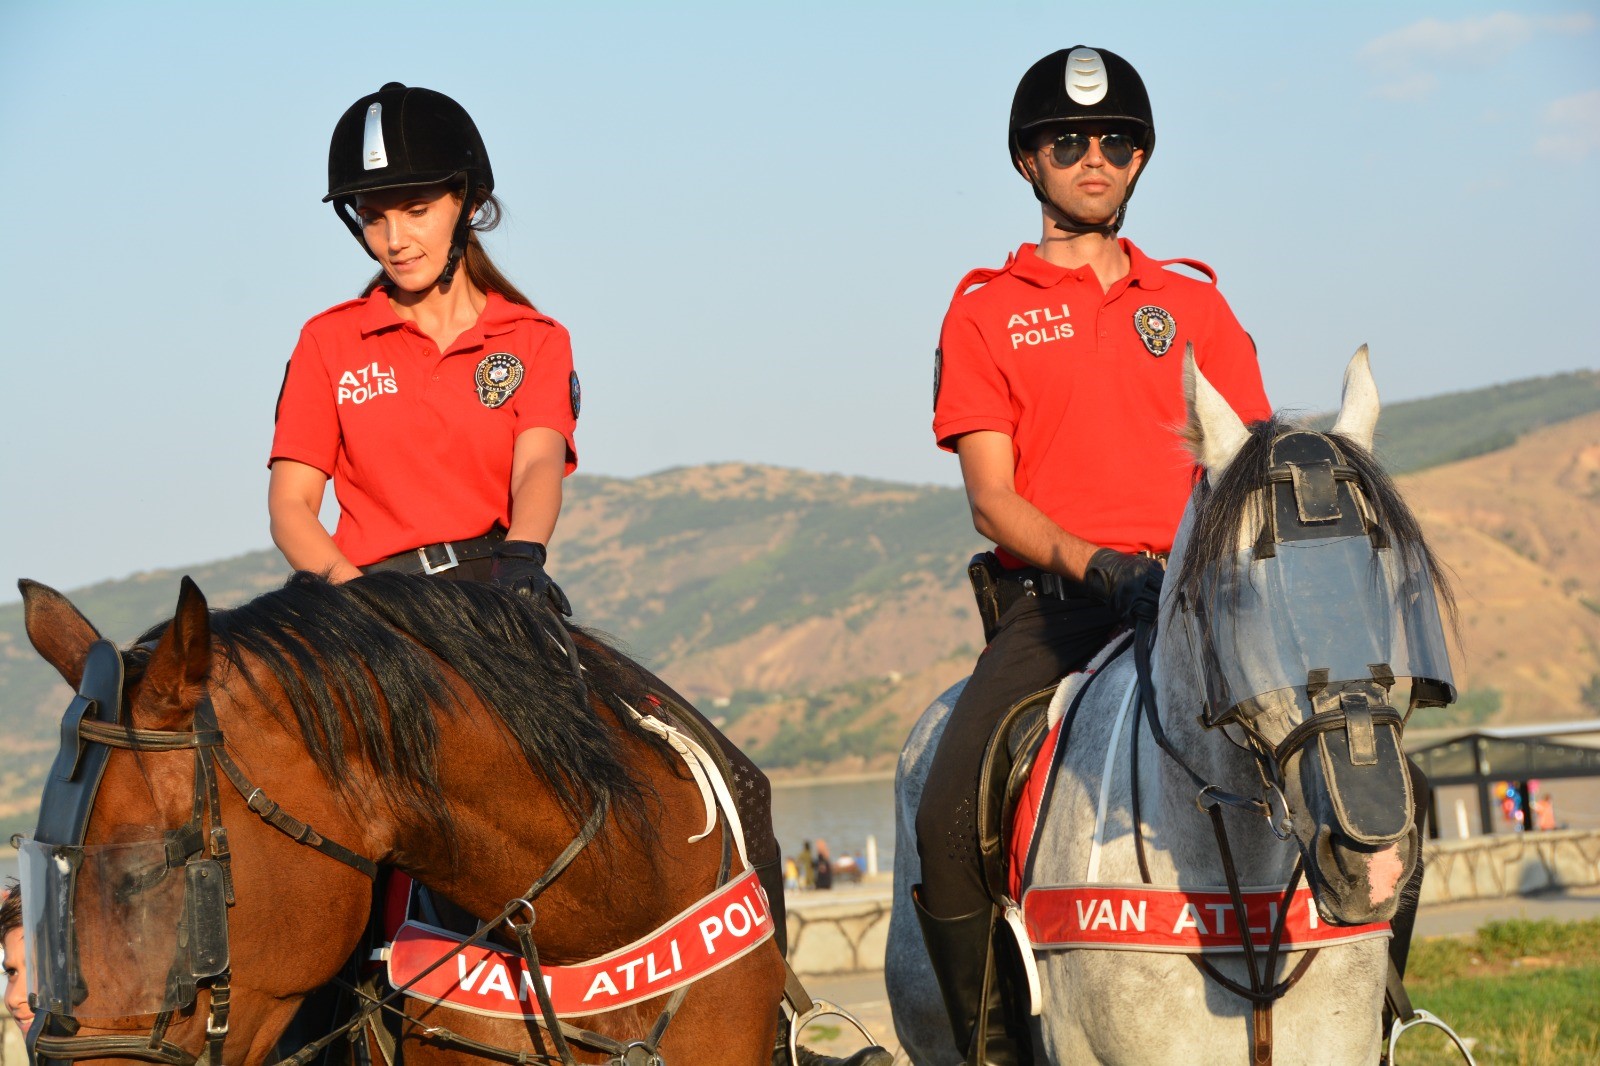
(1017, 766)
(1008, 763)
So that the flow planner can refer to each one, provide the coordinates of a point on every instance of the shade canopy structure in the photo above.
(1519, 753)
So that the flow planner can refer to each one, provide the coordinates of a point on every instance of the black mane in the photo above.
(1220, 509)
(365, 664)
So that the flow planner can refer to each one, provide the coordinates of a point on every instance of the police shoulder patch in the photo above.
(497, 377)
(575, 393)
(1156, 328)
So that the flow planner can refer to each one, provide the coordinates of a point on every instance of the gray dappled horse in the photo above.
(1284, 593)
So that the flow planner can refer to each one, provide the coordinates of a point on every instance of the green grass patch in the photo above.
(1524, 992)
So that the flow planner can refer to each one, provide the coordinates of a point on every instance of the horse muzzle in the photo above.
(1361, 842)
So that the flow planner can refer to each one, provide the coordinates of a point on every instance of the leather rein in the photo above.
(1263, 990)
(207, 742)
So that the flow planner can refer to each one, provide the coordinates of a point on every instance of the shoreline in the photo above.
(803, 780)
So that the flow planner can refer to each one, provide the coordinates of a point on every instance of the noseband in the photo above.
(91, 727)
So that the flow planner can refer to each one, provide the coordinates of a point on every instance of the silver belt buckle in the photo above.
(429, 568)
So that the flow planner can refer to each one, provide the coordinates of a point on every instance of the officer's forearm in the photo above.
(305, 544)
(1026, 532)
(536, 501)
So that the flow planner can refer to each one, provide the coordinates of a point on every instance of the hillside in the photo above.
(1521, 530)
(1420, 434)
(815, 616)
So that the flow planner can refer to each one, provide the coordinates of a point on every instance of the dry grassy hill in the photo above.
(1521, 530)
(815, 616)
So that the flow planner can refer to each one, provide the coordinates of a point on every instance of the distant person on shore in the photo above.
(808, 867)
(16, 963)
(824, 866)
(1058, 381)
(442, 404)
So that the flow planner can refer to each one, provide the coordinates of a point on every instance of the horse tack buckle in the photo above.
(450, 563)
(639, 1053)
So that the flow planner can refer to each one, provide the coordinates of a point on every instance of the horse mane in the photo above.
(366, 666)
(1221, 508)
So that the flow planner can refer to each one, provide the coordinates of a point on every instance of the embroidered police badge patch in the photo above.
(575, 393)
(938, 366)
(498, 377)
(1156, 328)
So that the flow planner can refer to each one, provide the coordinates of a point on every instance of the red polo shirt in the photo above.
(419, 442)
(1088, 384)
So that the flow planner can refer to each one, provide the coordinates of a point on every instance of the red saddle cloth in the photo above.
(1025, 817)
(1150, 917)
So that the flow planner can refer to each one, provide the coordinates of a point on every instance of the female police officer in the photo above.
(441, 402)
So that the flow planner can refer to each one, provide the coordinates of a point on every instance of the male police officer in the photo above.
(1058, 383)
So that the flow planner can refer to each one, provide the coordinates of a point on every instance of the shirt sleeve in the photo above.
(1229, 362)
(972, 392)
(550, 398)
(307, 419)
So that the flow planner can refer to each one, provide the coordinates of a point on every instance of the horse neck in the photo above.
(509, 827)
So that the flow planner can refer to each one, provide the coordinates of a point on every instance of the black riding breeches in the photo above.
(1040, 641)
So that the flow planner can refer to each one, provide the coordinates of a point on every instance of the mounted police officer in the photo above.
(444, 406)
(1058, 382)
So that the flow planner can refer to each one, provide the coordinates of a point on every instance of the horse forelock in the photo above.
(370, 669)
(1227, 514)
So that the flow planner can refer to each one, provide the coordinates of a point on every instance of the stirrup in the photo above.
(821, 1008)
(1422, 1017)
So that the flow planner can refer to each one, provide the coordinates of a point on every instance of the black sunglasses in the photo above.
(1067, 149)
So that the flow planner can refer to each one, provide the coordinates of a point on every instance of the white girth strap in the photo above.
(1093, 876)
(713, 789)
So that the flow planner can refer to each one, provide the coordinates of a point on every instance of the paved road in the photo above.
(863, 994)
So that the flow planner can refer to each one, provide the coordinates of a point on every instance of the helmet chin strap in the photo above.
(458, 239)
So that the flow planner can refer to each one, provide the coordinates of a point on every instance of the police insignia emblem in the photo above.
(938, 366)
(1156, 328)
(498, 377)
(575, 392)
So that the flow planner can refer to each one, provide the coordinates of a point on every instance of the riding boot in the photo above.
(970, 983)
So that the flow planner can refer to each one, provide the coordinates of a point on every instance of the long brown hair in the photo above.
(480, 269)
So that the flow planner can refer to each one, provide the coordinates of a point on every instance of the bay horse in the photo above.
(435, 727)
(1300, 605)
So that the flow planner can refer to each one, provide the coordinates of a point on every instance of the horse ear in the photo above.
(59, 633)
(1358, 404)
(179, 665)
(1213, 431)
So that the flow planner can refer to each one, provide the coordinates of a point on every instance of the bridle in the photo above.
(1356, 711)
(200, 848)
(92, 727)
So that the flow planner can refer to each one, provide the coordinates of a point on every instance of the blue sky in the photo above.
(751, 218)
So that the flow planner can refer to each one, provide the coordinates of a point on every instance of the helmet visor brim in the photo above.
(415, 181)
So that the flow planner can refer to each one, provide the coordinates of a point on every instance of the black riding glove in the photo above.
(519, 567)
(1131, 584)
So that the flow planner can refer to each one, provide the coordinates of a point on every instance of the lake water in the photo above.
(842, 813)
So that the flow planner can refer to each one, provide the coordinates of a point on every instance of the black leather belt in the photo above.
(1031, 581)
(432, 558)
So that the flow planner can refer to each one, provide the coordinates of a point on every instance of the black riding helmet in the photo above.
(1081, 84)
(400, 137)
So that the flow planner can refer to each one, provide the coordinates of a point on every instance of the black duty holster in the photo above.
(983, 570)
